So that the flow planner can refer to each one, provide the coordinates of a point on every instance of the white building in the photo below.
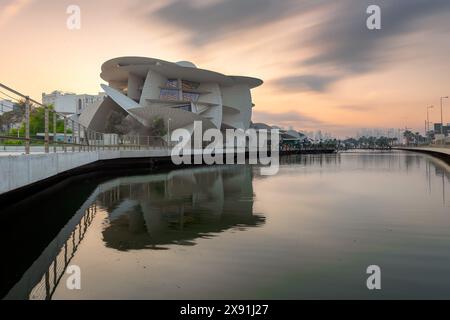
(179, 93)
(70, 103)
(6, 106)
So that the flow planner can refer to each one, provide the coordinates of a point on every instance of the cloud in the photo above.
(346, 46)
(211, 21)
(345, 40)
(341, 43)
(10, 9)
(290, 118)
(355, 108)
(305, 82)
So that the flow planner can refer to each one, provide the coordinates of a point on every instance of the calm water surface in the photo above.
(227, 232)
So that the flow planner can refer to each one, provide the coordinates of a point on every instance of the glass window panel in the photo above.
(169, 94)
(186, 107)
(172, 83)
(190, 85)
(190, 96)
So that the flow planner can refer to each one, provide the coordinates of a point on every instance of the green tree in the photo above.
(409, 136)
(158, 127)
(37, 123)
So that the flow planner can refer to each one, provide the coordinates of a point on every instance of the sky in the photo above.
(322, 67)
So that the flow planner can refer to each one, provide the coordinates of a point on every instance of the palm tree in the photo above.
(409, 136)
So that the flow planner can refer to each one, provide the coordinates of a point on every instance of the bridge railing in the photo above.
(29, 126)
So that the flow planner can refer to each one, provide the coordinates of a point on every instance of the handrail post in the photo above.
(27, 125)
(54, 132)
(73, 135)
(47, 139)
(79, 137)
(65, 133)
(84, 139)
(88, 140)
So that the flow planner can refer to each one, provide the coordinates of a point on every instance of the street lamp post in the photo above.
(442, 117)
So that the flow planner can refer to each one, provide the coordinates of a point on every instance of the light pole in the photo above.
(442, 117)
(428, 119)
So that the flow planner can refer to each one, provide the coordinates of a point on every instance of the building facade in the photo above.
(70, 103)
(440, 129)
(6, 106)
(143, 89)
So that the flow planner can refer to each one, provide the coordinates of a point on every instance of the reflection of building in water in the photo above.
(443, 172)
(147, 211)
(179, 207)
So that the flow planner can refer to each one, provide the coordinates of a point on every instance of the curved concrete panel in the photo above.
(237, 97)
(119, 68)
(96, 117)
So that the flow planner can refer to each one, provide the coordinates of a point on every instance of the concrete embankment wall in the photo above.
(442, 153)
(17, 171)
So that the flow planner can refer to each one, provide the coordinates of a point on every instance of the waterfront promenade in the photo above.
(20, 170)
(441, 152)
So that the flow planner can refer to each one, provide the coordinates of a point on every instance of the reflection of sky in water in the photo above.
(308, 232)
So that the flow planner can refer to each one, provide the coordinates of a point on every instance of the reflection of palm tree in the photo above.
(183, 206)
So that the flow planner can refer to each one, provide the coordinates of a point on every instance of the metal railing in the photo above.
(19, 131)
(45, 289)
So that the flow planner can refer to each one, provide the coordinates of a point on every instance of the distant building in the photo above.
(378, 133)
(437, 127)
(6, 106)
(12, 122)
(288, 139)
(308, 134)
(70, 103)
(260, 126)
(445, 129)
